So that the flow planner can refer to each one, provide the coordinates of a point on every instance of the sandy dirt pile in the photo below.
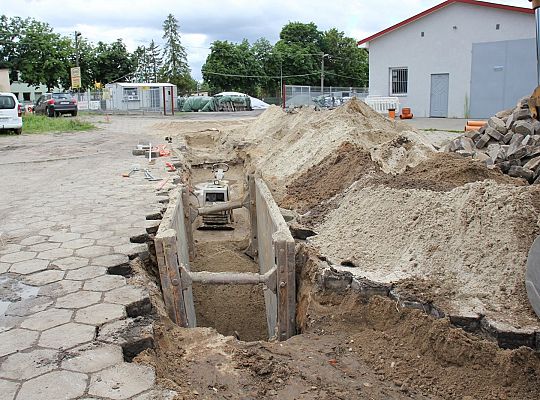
(471, 243)
(321, 188)
(288, 144)
(331, 176)
(444, 172)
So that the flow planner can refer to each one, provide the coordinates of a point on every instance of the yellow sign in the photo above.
(106, 94)
(75, 77)
(146, 88)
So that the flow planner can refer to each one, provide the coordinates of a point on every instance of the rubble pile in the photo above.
(510, 141)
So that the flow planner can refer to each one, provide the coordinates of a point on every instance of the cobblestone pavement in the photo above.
(66, 216)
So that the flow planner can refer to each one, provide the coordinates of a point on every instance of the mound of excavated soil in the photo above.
(471, 242)
(286, 145)
(331, 176)
(443, 172)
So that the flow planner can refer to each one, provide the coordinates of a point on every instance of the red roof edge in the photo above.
(442, 5)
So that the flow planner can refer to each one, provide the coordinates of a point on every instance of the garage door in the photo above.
(501, 74)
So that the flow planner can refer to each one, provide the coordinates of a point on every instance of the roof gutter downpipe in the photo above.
(536, 7)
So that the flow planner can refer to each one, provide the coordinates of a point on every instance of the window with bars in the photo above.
(399, 79)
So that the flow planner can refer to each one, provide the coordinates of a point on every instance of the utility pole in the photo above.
(322, 73)
(77, 34)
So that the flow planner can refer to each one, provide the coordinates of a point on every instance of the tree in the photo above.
(141, 64)
(271, 63)
(113, 62)
(11, 30)
(346, 64)
(231, 66)
(43, 55)
(155, 61)
(175, 67)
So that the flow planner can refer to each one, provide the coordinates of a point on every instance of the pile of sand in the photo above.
(471, 243)
(288, 144)
(335, 173)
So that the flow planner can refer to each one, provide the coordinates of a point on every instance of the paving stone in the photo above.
(93, 357)
(67, 336)
(54, 385)
(99, 234)
(44, 246)
(122, 381)
(93, 251)
(79, 299)
(29, 306)
(16, 340)
(78, 243)
(99, 314)
(71, 263)
(84, 229)
(126, 295)
(131, 249)
(86, 273)
(18, 256)
(64, 237)
(44, 277)
(47, 319)
(157, 394)
(33, 240)
(10, 248)
(8, 389)
(23, 366)
(4, 267)
(61, 288)
(55, 254)
(29, 266)
(111, 260)
(105, 283)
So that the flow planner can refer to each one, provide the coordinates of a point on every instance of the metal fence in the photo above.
(331, 96)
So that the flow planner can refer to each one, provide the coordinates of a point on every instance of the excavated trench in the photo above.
(356, 339)
(233, 310)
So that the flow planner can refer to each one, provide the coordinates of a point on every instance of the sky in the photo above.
(137, 22)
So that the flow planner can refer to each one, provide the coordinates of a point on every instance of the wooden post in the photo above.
(253, 249)
(286, 282)
(171, 282)
(164, 102)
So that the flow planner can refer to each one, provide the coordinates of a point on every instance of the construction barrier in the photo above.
(383, 104)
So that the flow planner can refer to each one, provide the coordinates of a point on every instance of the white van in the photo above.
(10, 113)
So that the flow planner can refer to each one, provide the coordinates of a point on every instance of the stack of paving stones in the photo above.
(510, 141)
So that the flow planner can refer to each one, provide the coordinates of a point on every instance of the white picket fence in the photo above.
(382, 104)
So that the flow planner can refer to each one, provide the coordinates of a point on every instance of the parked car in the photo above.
(10, 113)
(55, 104)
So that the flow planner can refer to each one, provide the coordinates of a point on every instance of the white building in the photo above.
(145, 97)
(461, 58)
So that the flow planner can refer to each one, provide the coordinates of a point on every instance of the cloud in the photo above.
(137, 22)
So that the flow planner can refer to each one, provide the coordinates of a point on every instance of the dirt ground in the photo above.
(347, 347)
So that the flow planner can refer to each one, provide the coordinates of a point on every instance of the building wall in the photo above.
(29, 94)
(443, 49)
(4, 80)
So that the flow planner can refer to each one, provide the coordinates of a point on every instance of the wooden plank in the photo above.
(253, 249)
(187, 223)
(166, 286)
(174, 282)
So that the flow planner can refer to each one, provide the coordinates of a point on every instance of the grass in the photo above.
(42, 124)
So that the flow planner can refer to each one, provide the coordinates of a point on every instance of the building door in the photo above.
(439, 95)
(501, 74)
